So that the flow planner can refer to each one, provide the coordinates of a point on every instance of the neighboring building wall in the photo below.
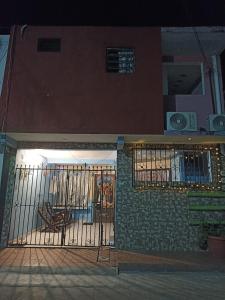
(71, 92)
(154, 220)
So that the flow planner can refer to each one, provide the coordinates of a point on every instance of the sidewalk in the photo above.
(84, 261)
(47, 274)
(170, 262)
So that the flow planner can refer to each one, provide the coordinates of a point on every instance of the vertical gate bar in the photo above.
(114, 205)
(25, 203)
(55, 186)
(11, 206)
(63, 201)
(39, 200)
(78, 202)
(75, 203)
(60, 173)
(72, 209)
(21, 198)
(91, 199)
(66, 203)
(43, 199)
(96, 203)
(70, 200)
(53, 203)
(112, 212)
(101, 205)
(35, 208)
(147, 168)
(199, 165)
(87, 172)
(79, 206)
(83, 211)
(57, 197)
(16, 202)
(109, 204)
(106, 205)
(31, 194)
(48, 176)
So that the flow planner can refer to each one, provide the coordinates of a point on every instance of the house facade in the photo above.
(153, 96)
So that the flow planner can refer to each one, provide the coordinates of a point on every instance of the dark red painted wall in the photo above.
(71, 92)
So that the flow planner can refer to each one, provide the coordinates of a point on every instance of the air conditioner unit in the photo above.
(217, 122)
(182, 121)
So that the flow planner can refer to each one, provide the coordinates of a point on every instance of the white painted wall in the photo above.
(4, 43)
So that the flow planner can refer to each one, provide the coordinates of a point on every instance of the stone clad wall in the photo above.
(154, 220)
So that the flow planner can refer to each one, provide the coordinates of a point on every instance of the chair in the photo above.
(54, 221)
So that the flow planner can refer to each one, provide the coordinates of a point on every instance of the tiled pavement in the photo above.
(170, 262)
(86, 258)
(54, 278)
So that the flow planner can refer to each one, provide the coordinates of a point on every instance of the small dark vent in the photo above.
(167, 58)
(120, 60)
(49, 45)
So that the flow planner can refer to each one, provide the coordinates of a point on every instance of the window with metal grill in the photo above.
(49, 45)
(158, 166)
(120, 60)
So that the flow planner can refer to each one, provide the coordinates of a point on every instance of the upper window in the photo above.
(49, 45)
(183, 79)
(120, 60)
(168, 166)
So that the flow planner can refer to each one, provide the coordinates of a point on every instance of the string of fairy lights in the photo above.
(141, 184)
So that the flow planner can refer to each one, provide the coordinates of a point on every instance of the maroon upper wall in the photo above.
(71, 92)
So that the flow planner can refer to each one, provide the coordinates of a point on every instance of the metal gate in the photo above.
(62, 206)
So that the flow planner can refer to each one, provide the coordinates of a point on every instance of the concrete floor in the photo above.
(76, 234)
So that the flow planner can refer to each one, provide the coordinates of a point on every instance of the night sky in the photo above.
(114, 13)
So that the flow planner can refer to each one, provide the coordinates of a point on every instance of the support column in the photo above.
(7, 165)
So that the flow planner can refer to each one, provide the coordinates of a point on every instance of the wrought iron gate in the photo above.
(62, 206)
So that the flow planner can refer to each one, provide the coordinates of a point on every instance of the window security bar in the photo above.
(177, 166)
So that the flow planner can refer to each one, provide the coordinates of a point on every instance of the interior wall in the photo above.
(201, 104)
